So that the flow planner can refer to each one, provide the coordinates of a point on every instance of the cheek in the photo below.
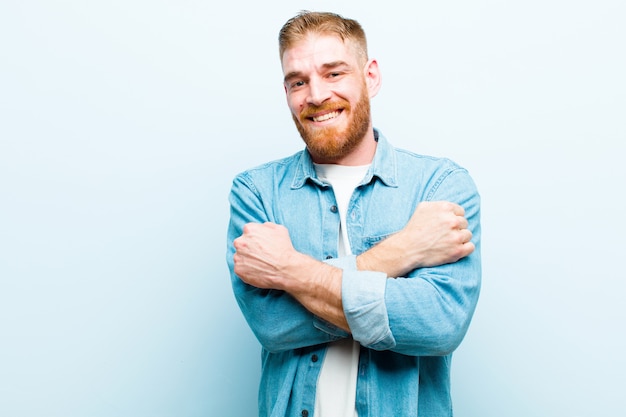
(295, 104)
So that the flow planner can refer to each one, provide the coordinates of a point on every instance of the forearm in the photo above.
(429, 310)
(317, 286)
(264, 258)
(424, 314)
(437, 234)
(277, 319)
(388, 257)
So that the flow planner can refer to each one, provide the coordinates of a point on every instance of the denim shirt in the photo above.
(407, 327)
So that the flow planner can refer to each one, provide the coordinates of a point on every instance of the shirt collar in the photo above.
(383, 166)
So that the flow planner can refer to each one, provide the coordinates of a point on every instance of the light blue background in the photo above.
(123, 122)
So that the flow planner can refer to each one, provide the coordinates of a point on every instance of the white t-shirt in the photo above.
(336, 386)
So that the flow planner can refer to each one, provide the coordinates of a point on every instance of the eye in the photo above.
(335, 76)
(296, 84)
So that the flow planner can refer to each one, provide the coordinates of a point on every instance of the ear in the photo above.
(373, 78)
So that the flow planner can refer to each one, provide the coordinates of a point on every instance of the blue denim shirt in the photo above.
(407, 327)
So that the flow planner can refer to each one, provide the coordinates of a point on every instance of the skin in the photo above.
(324, 77)
(324, 74)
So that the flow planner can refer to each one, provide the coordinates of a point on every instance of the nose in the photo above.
(318, 92)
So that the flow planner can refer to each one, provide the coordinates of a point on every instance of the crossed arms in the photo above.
(292, 300)
(265, 258)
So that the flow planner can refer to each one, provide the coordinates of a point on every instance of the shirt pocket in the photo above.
(371, 241)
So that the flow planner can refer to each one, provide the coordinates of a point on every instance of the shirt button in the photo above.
(314, 358)
(305, 413)
(329, 257)
(333, 208)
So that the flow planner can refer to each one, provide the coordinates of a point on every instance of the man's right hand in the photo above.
(436, 234)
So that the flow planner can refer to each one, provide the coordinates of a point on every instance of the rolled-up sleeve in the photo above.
(428, 312)
(277, 319)
(363, 298)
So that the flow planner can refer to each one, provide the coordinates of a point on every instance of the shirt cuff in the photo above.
(363, 297)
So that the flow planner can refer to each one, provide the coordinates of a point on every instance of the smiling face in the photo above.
(328, 88)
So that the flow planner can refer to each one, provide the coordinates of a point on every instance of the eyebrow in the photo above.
(327, 66)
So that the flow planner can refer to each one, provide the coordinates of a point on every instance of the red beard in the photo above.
(330, 144)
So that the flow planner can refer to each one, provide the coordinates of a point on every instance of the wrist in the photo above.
(290, 272)
(303, 273)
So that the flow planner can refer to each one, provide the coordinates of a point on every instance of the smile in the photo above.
(326, 116)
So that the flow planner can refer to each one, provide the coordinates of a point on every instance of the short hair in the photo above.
(323, 23)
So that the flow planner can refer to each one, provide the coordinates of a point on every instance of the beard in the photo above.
(330, 144)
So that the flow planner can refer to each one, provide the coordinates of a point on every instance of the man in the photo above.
(355, 264)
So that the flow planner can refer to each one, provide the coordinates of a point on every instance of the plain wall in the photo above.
(122, 124)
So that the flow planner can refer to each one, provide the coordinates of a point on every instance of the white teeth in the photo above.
(326, 116)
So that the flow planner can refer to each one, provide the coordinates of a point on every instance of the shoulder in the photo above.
(407, 161)
(421, 161)
(427, 170)
(435, 176)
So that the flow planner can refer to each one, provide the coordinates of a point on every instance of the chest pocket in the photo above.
(371, 241)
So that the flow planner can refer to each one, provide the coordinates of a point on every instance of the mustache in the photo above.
(312, 110)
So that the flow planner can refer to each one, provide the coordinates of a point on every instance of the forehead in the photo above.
(316, 50)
